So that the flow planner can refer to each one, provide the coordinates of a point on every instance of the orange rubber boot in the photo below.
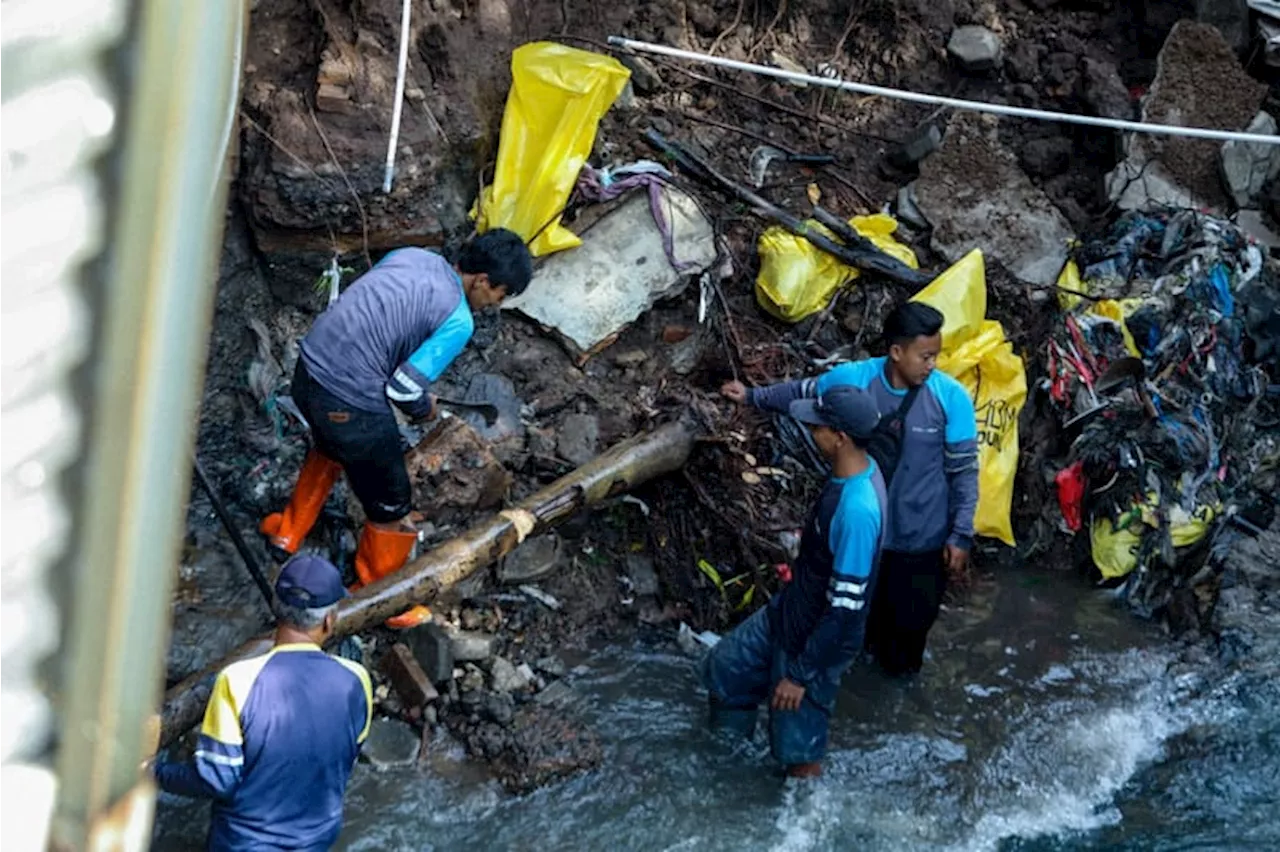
(285, 531)
(382, 552)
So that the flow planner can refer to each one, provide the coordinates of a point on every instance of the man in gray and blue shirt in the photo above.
(390, 334)
(933, 492)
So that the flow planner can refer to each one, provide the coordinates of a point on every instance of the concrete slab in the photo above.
(589, 294)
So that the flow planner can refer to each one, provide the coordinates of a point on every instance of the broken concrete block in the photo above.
(976, 196)
(1198, 83)
(1255, 224)
(505, 677)
(432, 647)
(975, 49)
(533, 558)
(1247, 166)
(578, 439)
(407, 677)
(471, 647)
(589, 295)
(391, 744)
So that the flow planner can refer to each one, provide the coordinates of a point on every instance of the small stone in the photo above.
(391, 744)
(408, 678)
(469, 646)
(687, 354)
(922, 142)
(472, 680)
(550, 666)
(505, 677)
(542, 442)
(578, 439)
(644, 76)
(907, 209)
(433, 649)
(525, 671)
(975, 49)
(644, 577)
(558, 694)
(470, 619)
(535, 557)
(499, 708)
(632, 358)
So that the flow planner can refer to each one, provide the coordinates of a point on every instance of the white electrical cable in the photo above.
(395, 110)
(939, 100)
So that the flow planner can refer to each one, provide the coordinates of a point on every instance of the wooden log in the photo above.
(636, 460)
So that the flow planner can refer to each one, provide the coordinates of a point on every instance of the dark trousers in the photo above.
(366, 443)
(908, 596)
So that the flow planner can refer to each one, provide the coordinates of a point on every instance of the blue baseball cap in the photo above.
(843, 408)
(309, 582)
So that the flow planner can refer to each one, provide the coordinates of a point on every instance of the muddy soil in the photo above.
(313, 135)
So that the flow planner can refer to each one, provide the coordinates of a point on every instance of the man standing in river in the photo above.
(387, 338)
(929, 438)
(282, 731)
(793, 651)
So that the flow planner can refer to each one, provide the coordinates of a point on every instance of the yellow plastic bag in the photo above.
(976, 353)
(1117, 311)
(1069, 279)
(798, 279)
(1115, 549)
(558, 96)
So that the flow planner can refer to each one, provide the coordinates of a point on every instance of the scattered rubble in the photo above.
(1248, 166)
(391, 744)
(1199, 82)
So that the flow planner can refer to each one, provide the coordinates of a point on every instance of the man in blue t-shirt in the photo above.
(793, 651)
(282, 731)
(933, 483)
(387, 338)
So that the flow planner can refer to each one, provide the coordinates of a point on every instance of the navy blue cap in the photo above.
(309, 582)
(843, 408)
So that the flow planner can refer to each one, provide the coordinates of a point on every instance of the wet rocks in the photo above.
(470, 646)
(506, 677)
(545, 745)
(433, 650)
(578, 439)
(975, 49)
(535, 557)
(391, 744)
(975, 195)
(1248, 166)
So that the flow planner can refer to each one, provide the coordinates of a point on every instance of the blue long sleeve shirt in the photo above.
(934, 492)
(391, 334)
(820, 616)
(279, 739)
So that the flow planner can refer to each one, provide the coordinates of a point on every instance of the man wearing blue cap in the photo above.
(282, 731)
(793, 651)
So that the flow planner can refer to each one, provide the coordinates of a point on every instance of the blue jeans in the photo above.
(741, 672)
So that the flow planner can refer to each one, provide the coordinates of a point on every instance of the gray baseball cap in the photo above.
(843, 408)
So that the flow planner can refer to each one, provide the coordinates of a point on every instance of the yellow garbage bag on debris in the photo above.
(1115, 549)
(975, 352)
(558, 96)
(798, 279)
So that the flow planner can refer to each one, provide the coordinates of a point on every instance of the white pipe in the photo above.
(939, 100)
(395, 110)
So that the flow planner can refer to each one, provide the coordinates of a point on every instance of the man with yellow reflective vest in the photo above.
(282, 731)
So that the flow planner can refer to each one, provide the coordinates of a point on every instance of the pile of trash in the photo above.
(1158, 375)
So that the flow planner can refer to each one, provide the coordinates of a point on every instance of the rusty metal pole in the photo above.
(144, 384)
(618, 470)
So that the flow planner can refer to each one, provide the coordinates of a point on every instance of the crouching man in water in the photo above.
(282, 731)
(387, 338)
(793, 651)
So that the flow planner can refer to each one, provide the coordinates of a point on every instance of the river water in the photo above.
(1047, 718)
